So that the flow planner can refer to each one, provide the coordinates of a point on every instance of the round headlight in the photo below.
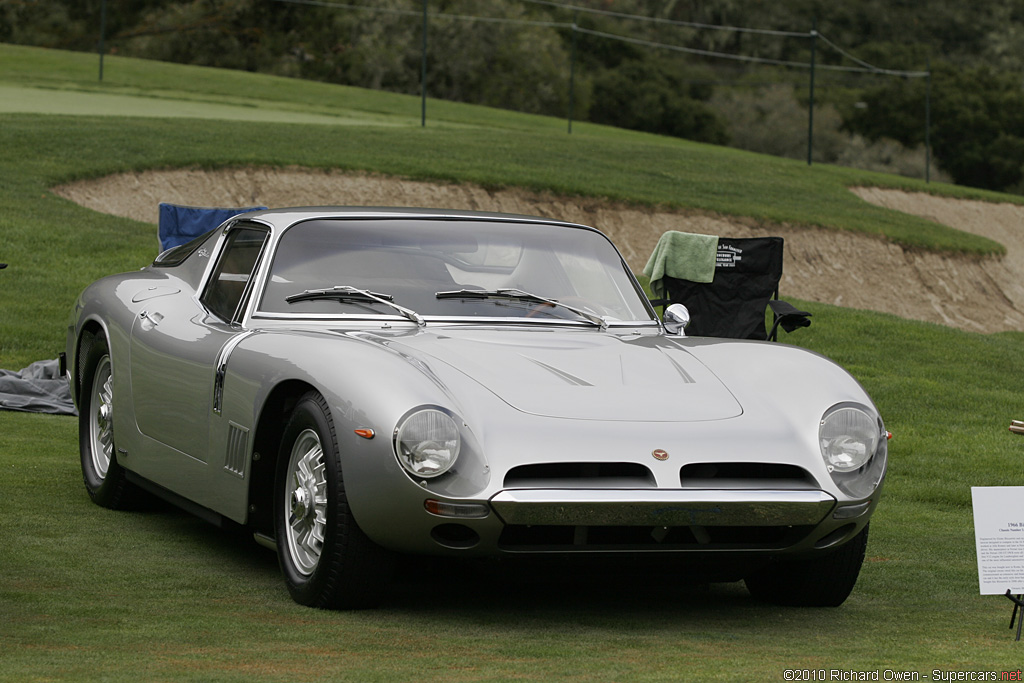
(427, 443)
(848, 437)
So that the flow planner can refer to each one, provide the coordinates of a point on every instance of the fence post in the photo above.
(928, 123)
(810, 105)
(572, 71)
(423, 72)
(103, 32)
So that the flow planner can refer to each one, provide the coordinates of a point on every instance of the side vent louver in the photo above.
(238, 439)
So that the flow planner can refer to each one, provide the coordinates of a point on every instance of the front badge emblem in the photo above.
(660, 454)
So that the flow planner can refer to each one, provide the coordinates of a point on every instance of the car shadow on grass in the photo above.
(560, 585)
(589, 587)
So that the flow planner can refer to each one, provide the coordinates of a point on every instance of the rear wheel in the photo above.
(326, 559)
(105, 480)
(824, 581)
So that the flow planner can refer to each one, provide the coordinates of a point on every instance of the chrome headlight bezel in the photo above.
(427, 442)
(854, 447)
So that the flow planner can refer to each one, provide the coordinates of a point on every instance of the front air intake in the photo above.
(746, 475)
(582, 475)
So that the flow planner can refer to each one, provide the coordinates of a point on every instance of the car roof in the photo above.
(285, 217)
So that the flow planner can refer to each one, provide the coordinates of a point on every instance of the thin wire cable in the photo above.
(692, 50)
(499, 20)
(671, 22)
(871, 67)
(748, 59)
(864, 67)
(364, 8)
(458, 17)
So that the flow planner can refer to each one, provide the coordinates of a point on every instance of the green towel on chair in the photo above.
(682, 255)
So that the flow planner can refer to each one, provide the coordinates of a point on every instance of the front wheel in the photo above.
(105, 480)
(326, 559)
(824, 581)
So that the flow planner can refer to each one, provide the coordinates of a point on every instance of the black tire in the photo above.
(824, 581)
(327, 560)
(104, 478)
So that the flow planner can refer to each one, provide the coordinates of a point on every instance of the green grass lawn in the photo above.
(90, 594)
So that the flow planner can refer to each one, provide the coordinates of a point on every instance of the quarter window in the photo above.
(231, 279)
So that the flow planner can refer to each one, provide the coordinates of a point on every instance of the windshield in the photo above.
(423, 265)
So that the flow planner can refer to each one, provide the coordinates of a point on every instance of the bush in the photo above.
(643, 95)
(977, 122)
(888, 156)
(771, 120)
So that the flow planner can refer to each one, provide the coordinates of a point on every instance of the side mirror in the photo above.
(676, 318)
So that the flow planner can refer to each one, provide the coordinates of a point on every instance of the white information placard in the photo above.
(999, 538)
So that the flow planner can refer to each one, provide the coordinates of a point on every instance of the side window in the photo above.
(189, 261)
(231, 278)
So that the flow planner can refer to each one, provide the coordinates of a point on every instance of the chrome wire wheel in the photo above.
(306, 501)
(101, 418)
(326, 559)
(105, 480)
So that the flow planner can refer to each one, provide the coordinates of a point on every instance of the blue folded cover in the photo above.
(181, 224)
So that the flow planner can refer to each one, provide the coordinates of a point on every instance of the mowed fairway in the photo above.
(17, 100)
(157, 595)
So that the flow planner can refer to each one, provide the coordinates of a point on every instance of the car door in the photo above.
(179, 343)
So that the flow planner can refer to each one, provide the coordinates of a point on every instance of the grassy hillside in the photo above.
(489, 146)
(89, 594)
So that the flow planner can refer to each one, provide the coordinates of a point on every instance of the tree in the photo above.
(641, 95)
(977, 122)
(500, 64)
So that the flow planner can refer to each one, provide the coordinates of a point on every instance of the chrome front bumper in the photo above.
(668, 508)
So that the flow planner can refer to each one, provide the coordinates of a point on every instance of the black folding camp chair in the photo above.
(745, 285)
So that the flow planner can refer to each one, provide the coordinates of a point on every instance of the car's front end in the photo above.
(563, 449)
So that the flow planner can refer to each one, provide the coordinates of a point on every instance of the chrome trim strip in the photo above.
(220, 368)
(636, 507)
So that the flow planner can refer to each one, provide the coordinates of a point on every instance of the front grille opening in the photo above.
(580, 475)
(525, 538)
(745, 475)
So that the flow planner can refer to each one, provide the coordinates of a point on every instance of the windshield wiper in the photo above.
(520, 295)
(347, 293)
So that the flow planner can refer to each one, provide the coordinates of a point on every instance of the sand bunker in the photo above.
(841, 268)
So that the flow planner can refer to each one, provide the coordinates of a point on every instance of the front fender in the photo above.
(367, 386)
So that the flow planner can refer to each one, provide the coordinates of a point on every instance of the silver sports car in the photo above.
(354, 384)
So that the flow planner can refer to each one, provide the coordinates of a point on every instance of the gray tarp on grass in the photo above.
(39, 388)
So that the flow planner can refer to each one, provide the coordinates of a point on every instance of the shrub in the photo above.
(643, 95)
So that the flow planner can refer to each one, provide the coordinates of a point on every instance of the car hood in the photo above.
(582, 375)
